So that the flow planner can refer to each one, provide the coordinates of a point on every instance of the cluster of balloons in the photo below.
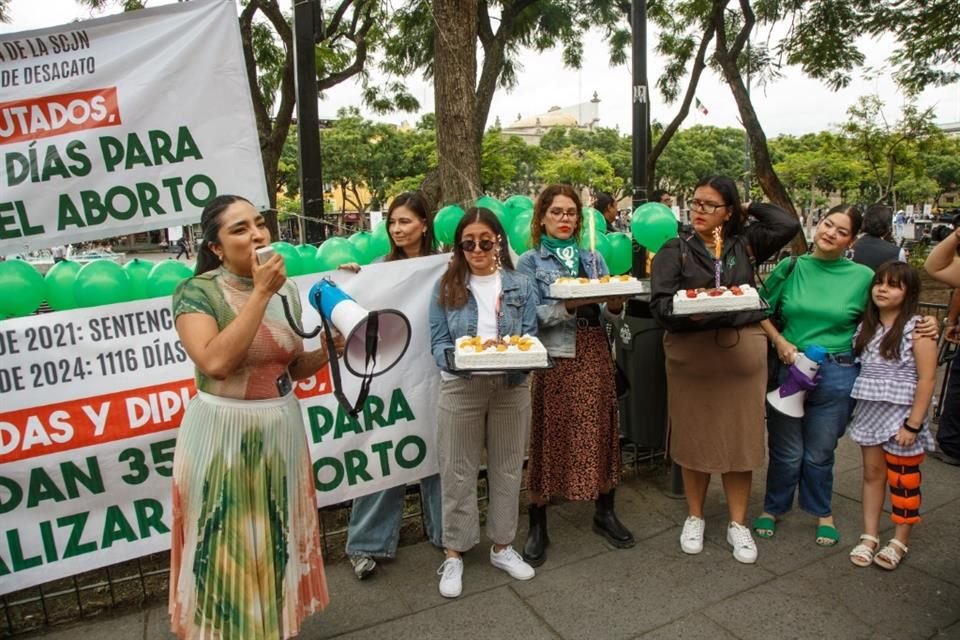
(651, 225)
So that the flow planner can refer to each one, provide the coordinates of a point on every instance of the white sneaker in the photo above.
(691, 538)
(363, 565)
(511, 562)
(451, 577)
(744, 548)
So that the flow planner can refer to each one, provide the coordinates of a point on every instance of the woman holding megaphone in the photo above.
(481, 295)
(245, 552)
(716, 363)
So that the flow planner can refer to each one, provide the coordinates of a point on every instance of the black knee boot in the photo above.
(606, 523)
(535, 549)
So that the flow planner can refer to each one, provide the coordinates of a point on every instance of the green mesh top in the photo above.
(221, 294)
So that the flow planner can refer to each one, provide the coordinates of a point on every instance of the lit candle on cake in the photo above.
(717, 250)
(591, 229)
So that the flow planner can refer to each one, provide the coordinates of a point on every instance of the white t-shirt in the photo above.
(486, 291)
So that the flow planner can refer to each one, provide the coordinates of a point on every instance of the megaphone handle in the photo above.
(293, 322)
(352, 409)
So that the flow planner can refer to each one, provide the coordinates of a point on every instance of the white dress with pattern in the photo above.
(884, 393)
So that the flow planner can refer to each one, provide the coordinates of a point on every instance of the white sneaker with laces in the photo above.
(363, 565)
(744, 548)
(691, 538)
(510, 561)
(451, 577)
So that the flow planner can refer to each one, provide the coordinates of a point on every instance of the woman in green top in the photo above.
(821, 298)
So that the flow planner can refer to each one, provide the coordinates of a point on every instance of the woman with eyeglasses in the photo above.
(821, 297)
(374, 530)
(480, 295)
(574, 437)
(717, 363)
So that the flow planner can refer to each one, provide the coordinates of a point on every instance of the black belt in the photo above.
(583, 323)
(842, 358)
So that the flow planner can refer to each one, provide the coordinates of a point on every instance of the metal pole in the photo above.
(641, 122)
(306, 22)
(746, 140)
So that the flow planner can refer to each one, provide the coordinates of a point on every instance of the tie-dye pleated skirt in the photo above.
(245, 552)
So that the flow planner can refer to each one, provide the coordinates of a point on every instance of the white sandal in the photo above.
(862, 555)
(890, 556)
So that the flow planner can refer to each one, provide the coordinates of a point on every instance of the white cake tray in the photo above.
(644, 288)
(451, 366)
(763, 307)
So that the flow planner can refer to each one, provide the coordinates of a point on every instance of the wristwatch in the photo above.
(914, 430)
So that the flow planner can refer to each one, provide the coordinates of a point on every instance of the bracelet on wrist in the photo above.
(914, 430)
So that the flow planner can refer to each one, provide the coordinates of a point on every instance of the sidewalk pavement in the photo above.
(587, 590)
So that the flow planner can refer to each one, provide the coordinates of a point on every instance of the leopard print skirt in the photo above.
(574, 437)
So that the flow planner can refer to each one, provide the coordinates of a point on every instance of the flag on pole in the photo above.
(700, 106)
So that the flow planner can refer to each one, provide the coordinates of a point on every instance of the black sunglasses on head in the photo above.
(470, 245)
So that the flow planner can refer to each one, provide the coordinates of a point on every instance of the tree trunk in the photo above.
(455, 79)
(727, 58)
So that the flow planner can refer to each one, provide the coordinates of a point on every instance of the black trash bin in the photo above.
(638, 346)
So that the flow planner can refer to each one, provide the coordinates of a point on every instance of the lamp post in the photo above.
(641, 121)
(307, 25)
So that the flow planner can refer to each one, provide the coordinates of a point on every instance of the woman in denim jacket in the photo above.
(574, 437)
(480, 295)
(375, 519)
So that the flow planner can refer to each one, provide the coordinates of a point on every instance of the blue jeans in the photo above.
(802, 449)
(375, 519)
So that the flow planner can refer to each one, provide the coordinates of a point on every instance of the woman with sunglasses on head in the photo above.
(245, 549)
(481, 295)
(717, 363)
(574, 437)
(375, 519)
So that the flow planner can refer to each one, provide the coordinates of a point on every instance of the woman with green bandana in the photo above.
(574, 437)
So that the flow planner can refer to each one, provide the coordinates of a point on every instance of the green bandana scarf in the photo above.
(566, 251)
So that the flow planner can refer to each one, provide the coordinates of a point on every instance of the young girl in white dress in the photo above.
(893, 392)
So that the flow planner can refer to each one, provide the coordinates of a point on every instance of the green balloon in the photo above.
(503, 214)
(362, 241)
(519, 233)
(58, 285)
(335, 252)
(138, 271)
(103, 282)
(379, 241)
(652, 224)
(519, 204)
(165, 276)
(621, 253)
(21, 288)
(291, 258)
(308, 258)
(602, 247)
(445, 223)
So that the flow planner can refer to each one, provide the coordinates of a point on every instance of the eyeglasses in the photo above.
(560, 214)
(707, 207)
(469, 245)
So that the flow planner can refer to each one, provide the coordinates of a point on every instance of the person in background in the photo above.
(183, 248)
(716, 373)
(245, 558)
(662, 196)
(481, 295)
(873, 247)
(943, 264)
(606, 205)
(574, 438)
(375, 519)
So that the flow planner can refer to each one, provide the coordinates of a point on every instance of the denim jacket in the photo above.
(518, 316)
(558, 327)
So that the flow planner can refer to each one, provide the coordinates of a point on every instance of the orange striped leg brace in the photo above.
(903, 476)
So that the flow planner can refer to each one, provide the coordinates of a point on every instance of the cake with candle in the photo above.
(510, 352)
(716, 300)
(604, 287)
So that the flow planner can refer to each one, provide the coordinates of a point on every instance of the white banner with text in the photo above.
(123, 124)
(90, 403)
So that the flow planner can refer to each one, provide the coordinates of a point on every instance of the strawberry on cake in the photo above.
(716, 300)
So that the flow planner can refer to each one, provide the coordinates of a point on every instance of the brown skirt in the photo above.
(715, 385)
(574, 438)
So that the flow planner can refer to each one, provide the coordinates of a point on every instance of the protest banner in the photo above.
(123, 124)
(90, 403)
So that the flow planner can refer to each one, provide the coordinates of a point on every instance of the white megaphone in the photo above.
(375, 341)
(801, 377)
